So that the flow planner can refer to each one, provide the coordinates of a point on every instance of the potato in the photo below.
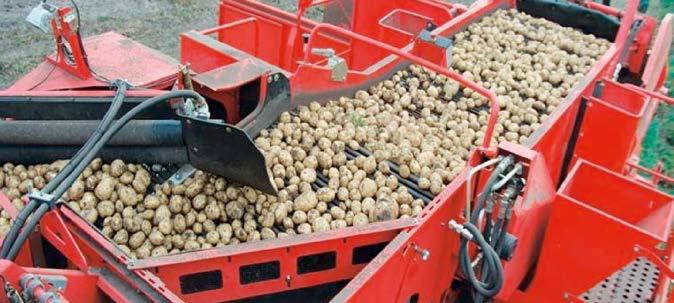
(267, 233)
(105, 188)
(320, 224)
(368, 188)
(337, 213)
(306, 201)
(213, 237)
(121, 237)
(165, 226)
(117, 168)
(360, 219)
(304, 228)
(76, 191)
(105, 209)
(127, 195)
(159, 251)
(151, 202)
(88, 201)
(325, 194)
(161, 213)
(91, 215)
(136, 240)
(132, 224)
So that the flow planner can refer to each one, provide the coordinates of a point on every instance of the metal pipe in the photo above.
(517, 169)
(140, 154)
(64, 132)
(470, 176)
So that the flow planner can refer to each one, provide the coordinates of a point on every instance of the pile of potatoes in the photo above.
(530, 63)
(339, 164)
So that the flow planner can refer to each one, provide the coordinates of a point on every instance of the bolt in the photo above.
(424, 253)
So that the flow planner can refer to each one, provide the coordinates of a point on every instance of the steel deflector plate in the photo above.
(227, 151)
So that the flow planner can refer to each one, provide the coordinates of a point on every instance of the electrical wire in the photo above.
(96, 75)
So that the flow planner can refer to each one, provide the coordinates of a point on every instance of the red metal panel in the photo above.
(229, 259)
(611, 121)
(399, 272)
(581, 241)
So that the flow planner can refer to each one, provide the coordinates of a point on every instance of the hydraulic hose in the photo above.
(491, 279)
(500, 168)
(60, 190)
(492, 263)
(16, 227)
(30, 207)
(95, 136)
(25, 233)
(89, 154)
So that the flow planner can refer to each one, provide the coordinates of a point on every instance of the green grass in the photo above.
(658, 145)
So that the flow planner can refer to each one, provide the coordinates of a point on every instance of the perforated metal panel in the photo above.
(635, 283)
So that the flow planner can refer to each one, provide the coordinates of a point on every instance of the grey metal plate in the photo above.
(634, 283)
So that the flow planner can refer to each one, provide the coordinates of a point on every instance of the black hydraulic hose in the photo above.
(98, 132)
(61, 189)
(91, 153)
(30, 207)
(25, 232)
(500, 168)
(493, 238)
(18, 222)
(501, 237)
(492, 263)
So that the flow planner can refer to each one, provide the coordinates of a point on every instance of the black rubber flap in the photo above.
(227, 151)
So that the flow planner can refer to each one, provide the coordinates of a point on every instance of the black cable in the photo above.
(107, 119)
(491, 280)
(25, 232)
(492, 263)
(63, 186)
(58, 192)
(98, 132)
(18, 222)
(500, 168)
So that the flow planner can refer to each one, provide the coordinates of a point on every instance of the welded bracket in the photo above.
(182, 174)
(42, 197)
(439, 41)
(336, 64)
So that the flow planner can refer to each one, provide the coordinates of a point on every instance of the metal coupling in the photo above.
(458, 228)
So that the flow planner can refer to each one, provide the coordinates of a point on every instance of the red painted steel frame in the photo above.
(399, 266)
(581, 239)
(549, 140)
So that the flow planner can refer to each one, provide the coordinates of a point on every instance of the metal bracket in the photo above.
(42, 197)
(41, 16)
(440, 41)
(336, 64)
(182, 174)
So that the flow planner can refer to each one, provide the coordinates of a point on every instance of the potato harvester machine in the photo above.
(585, 223)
